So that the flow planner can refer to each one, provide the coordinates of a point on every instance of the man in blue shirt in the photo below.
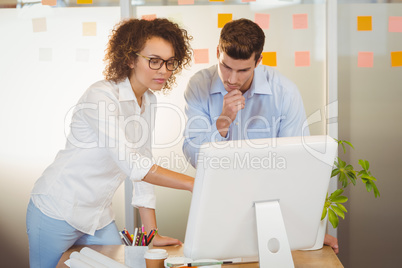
(238, 99)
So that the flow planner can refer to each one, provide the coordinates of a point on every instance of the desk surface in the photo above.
(324, 257)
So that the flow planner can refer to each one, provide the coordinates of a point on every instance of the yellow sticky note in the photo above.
(148, 17)
(89, 28)
(216, 0)
(84, 2)
(302, 58)
(365, 59)
(269, 58)
(201, 56)
(396, 59)
(364, 23)
(223, 19)
(49, 2)
(262, 20)
(185, 2)
(300, 21)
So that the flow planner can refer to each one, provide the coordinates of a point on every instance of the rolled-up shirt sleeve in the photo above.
(143, 195)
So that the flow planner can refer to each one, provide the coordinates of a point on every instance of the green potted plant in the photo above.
(346, 175)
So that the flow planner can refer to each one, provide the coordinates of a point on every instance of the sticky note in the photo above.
(245, 1)
(300, 21)
(148, 17)
(364, 23)
(84, 2)
(223, 19)
(269, 58)
(49, 2)
(216, 0)
(82, 55)
(262, 20)
(395, 24)
(201, 56)
(45, 54)
(302, 58)
(185, 2)
(365, 59)
(89, 28)
(396, 59)
(39, 25)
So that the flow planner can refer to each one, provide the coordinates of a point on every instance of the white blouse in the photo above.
(109, 140)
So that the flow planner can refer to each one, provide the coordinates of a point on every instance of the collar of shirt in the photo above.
(126, 93)
(260, 84)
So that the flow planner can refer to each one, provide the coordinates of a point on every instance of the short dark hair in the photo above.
(241, 38)
(129, 37)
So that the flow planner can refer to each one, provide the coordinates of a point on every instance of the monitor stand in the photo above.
(273, 243)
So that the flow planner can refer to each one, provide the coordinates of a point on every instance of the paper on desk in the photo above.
(87, 260)
(77, 263)
(99, 257)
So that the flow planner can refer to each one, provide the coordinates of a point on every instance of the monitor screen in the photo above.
(232, 176)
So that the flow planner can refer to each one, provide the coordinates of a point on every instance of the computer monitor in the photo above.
(234, 177)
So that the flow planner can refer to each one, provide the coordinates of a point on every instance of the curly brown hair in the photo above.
(241, 38)
(129, 37)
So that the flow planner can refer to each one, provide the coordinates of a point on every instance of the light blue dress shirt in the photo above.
(273, 108)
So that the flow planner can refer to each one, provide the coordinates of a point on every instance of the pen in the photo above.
(123, 237)
(128, 235)
(135, 236)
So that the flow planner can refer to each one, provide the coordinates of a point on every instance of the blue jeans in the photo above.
(50, 238)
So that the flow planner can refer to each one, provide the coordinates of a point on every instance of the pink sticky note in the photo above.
(302, 58)
(262, 20)
(185, 2)
(49, 2)
(201, 56)
(245, 1)
(395, 24)
(365, 59)
(148, 17)
(300, 21)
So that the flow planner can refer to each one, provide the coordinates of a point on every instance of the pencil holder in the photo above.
(134, 256)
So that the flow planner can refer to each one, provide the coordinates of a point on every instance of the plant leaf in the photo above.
(324, 213)
(348, 143)
(333, 219)
(340, 199)
(336, 193)
(335, 172)
(365, 164)
(369, 186)
(342, 207)
(376, 192)
(338, 211)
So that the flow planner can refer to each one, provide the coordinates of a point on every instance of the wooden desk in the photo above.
(324, 257)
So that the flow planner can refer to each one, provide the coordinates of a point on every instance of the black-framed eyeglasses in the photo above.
(157, 63)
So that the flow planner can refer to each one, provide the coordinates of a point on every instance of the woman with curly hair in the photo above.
(109, 141)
